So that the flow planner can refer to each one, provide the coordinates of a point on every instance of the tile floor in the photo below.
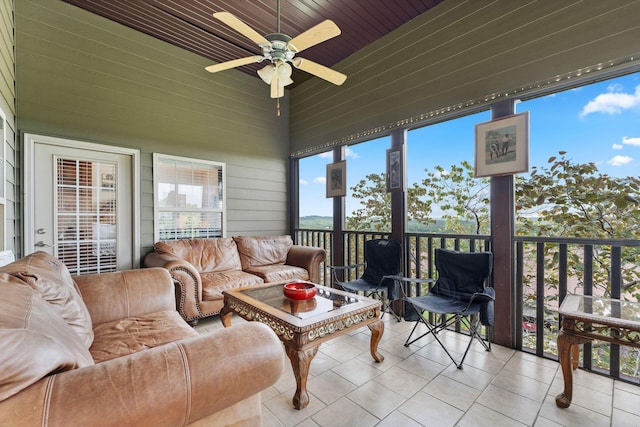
(419, 386)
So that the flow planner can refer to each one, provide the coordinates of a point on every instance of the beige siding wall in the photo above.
(82, 77)
(12, 224)
(462, 54)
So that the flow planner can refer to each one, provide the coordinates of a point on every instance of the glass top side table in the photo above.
(586, 318)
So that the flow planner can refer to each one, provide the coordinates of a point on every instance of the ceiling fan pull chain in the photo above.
(278, 107)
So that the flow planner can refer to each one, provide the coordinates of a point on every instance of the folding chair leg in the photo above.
(434, 329)
(474, 334)
(386, 305)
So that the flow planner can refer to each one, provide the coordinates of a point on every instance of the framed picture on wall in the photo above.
(395, 168)
(337, 179)
(502, 146)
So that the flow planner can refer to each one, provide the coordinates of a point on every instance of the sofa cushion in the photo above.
(279, 272)
(51, 278)
(216, 254)
(36, 340)
(262, 250)
(127, 336)
(213, 284)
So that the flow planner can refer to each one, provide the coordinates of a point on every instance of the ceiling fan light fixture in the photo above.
(284, 70)
(266, 73)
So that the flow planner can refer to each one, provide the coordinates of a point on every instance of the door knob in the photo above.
(42, 244)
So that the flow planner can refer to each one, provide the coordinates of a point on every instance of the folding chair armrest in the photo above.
(484, 296)
(337, 268)
(345, 267)
(398, 278)
(409, 279)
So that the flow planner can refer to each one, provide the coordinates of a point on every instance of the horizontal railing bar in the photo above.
(578, 241)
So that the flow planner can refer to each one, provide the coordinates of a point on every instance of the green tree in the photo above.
(575, 200)
(463, 198)
(375, 213)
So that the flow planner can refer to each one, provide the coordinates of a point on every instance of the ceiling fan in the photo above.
(280, 50)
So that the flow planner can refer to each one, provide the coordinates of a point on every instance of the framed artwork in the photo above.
(395, 168)
(502, 146)
(337, 179)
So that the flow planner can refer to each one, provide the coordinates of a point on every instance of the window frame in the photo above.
(157, 157)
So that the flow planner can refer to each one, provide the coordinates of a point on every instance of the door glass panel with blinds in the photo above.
(189, 198)
(86, 206)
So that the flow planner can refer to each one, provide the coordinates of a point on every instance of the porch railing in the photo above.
(546, 269)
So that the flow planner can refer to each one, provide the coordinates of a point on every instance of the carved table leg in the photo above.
(575, 357)
(568, 355)
(377, 330)
(300, 362)
(225, 316)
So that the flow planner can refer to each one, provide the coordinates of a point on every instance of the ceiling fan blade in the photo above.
(314, 35)
(235, 23)
(234, 63)
(320, 71)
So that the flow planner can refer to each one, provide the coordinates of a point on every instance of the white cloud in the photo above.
(619, 160)
(612, 102)
(320, 180)
(304, 182)
(348, 153)
(631, 141)
(615, 87)
(617, 146)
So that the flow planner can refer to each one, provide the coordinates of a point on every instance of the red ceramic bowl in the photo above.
(299, 290)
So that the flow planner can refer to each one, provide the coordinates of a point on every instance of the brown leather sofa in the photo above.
(203, 268)
(111, 350)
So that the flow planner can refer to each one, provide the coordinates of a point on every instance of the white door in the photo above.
(81, 208)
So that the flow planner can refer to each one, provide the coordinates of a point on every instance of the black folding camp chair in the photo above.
(459, 295)
(381, 259)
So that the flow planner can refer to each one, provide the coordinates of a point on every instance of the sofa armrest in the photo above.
(309, 258)
(121, 294)
(187, 281)
(175, 384)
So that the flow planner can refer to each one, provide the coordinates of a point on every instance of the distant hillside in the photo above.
(315, 222)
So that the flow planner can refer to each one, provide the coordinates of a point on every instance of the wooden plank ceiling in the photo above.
(189, 24)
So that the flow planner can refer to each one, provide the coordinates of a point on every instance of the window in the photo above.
(85, 215)
(188, 198)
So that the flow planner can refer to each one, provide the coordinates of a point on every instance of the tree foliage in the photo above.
(375, 213)
(575, 200)
(463, 198)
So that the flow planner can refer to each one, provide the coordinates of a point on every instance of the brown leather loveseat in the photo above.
(203, 268)
(111, 350)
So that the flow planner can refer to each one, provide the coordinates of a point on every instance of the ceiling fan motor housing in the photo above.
(278, 49)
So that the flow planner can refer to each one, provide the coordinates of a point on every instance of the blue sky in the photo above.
(597, 123)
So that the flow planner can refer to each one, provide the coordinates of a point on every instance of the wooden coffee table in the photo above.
(304, 325)
(586, 318)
